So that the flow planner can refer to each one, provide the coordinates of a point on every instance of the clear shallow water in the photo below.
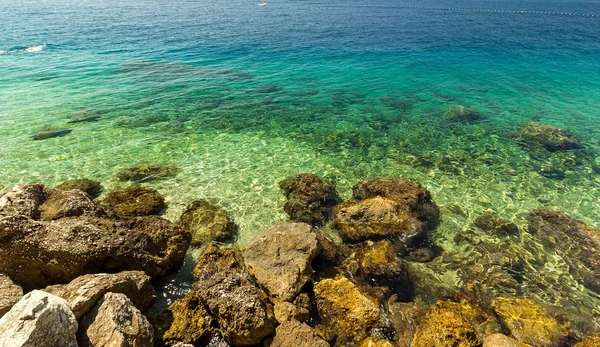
(240, 96)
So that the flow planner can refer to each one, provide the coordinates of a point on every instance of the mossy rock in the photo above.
(310, 198)
(462, 114)
(455, 324)
(135, 201)
(207, 223)
(530, 322)
(184, 321)
(379, 264)
(49, 132)
(535, 135)
(147, 172)
(347, 314)
(496, 226)
(92, 188)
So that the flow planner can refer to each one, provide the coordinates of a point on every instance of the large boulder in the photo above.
(207, 223)
(347, 314)
(92, 188)
(375, 218)
(10, 294)
(184, 321)
(39, 319)
(114, 321)
(84, 292)
(135, 201)
(230, 295)
(576, 242)
(539, 135)
(530, 322)
(310, 198)
(79, 239)
(455, 324)
(408, 192)
(295, 334)
(280, 258)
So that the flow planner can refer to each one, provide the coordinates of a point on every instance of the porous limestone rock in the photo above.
(501, 340)
(135, 201)
(280, 258)
(454, 324)
(295, 334)
(286, 311)
(90, 187)
(10, 294)
(114, 321)
(39, 319)
(347, 314)
(84, 292)
(530, 322)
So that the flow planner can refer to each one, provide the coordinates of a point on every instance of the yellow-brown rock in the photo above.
(346, 313)
(530, 322)
(454, 324)
(501, 340)
(375, 342)
(589, 341)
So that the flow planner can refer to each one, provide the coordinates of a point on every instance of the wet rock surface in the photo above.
(135, 201)
(230, 294)
(207, 223)
(39, 319)
(495, 225)
(10, 294)
(455, 323)
(84, 292)
(90, 187)
(501, 340)
(280, 258)
(79, 238)
(310, 198)
(529, 322)
(115, 321)
(347, 314)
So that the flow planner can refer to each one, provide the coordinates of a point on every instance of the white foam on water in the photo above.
(31, 49)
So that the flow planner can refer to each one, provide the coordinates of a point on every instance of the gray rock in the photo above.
(39, 319)
(10, 294)
(114, 321)
(84, 292)
(280, 258)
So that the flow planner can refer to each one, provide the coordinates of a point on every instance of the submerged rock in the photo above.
(310, 198)
(50, 133)
(501, 340)
(462, 114)
(135, 201)
(82, 119)
(455, 324)
(496, 226)
(90, 187)
(10, 294)
(379, 264)
(39, 319)
(36, 252)
(280, 258)
(536, 135)
(296, 334)
(529, 322)
(405, 319)
(272, 88)
(207, 223)
(147, 172)
(230, 295)
(347, 314)
(84, 292)
(114, 321)
(576, 242)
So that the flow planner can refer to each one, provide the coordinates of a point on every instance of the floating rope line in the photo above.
(460, 9)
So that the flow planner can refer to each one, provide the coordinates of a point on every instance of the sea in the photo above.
(239, 96)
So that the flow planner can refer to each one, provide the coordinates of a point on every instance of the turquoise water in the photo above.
(240, 96)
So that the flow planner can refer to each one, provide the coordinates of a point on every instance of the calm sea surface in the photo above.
(240, 96)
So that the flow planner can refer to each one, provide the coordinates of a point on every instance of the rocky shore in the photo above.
(369, 271)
